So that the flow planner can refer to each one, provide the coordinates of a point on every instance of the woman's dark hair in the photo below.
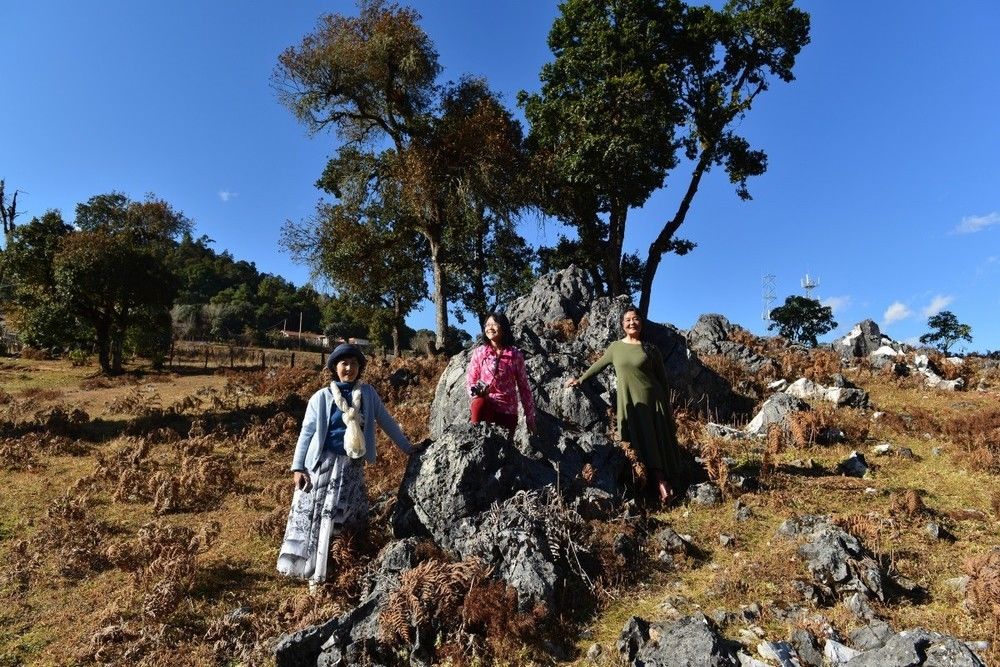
(506, 336)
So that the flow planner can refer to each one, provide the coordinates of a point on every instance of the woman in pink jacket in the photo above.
(496, 376)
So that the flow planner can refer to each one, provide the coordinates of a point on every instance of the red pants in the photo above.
(483, 410)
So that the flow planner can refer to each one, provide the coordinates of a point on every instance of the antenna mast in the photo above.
(809, 284)
(768, 296)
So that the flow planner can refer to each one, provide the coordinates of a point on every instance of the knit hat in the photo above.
(346, 350)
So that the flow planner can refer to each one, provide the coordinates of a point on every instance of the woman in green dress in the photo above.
(644, 418)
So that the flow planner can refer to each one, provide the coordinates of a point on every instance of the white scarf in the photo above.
(354, 438)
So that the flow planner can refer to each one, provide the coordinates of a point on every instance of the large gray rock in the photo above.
(526, 540)
(711, 335)
(872, 636)
(861, 341)
(689, 642)
(775, 410)
(561, 295)
(451, 398)
(836, 559)
(355, 632)
(806, 648)
(550, 361)
(469, 468)
(919, 647)
(841, 396)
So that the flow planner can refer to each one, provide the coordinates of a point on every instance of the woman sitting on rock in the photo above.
(337, 436)
(496, 376)
(644, 417)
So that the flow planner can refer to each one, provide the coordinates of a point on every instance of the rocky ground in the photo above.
(841, 508)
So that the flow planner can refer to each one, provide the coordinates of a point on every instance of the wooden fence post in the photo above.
(293, 361)
(263, 364)
(206, 357)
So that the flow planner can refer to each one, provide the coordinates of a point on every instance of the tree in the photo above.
(8, 212)
(454, 152)
(364, 246)
(480, 163)
(946, 331)
(99, 277)
(802, 319)
(633, 82)
(605, 118)
(30, 302)
(371, 78)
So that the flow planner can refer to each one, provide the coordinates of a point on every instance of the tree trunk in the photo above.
(613, 249)
(440, 298)
(117, 342)
(478, 269)
(662, 241)
(396, 323)
(103, 334)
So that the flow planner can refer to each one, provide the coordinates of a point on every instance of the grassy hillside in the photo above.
(140, 517)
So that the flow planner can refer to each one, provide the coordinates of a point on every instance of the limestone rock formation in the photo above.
(566, 299)
(689, 642)
(775, 411)
(345, 639)
(919, 647)
(836, 559)
(711, 335)
(861, 341)
(841, 396)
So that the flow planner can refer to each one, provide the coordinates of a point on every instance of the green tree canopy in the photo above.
(364, 246)
(633, 83)
(946, 330)
(101, 275)
(802, 320)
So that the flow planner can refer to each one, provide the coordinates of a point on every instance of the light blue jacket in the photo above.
(312, 437)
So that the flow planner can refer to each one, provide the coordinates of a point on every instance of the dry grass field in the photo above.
(140, 516)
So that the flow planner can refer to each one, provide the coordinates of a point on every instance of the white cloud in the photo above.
(896, 312)
(937, 304)
(974, 223)
(226, 195)
(836, 303)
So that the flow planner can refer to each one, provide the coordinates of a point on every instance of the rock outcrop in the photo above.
(689, 642)
(838, 562)
(862, 340)
(842, 396)
(348, 638)
(776, 410)
(919, 647)
(711, 334)
(566, 300)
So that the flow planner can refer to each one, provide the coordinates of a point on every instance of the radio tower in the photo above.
(809, 284)
(768, 294)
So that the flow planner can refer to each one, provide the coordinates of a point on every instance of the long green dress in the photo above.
(644, 418)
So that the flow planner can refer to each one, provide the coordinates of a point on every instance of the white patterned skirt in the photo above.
(337, 501)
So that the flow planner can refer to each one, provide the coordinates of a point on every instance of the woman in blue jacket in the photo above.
(337, 436)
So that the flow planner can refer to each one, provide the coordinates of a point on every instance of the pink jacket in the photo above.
(509, 379)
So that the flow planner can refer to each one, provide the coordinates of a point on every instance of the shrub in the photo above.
(79, 357)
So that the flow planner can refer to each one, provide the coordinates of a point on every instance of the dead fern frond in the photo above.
(715, 463)
(908, 502)
(775, 445)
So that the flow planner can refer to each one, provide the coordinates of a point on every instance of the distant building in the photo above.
(322, 340)
(307, 337)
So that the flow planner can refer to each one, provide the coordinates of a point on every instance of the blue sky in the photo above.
(884, 153)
